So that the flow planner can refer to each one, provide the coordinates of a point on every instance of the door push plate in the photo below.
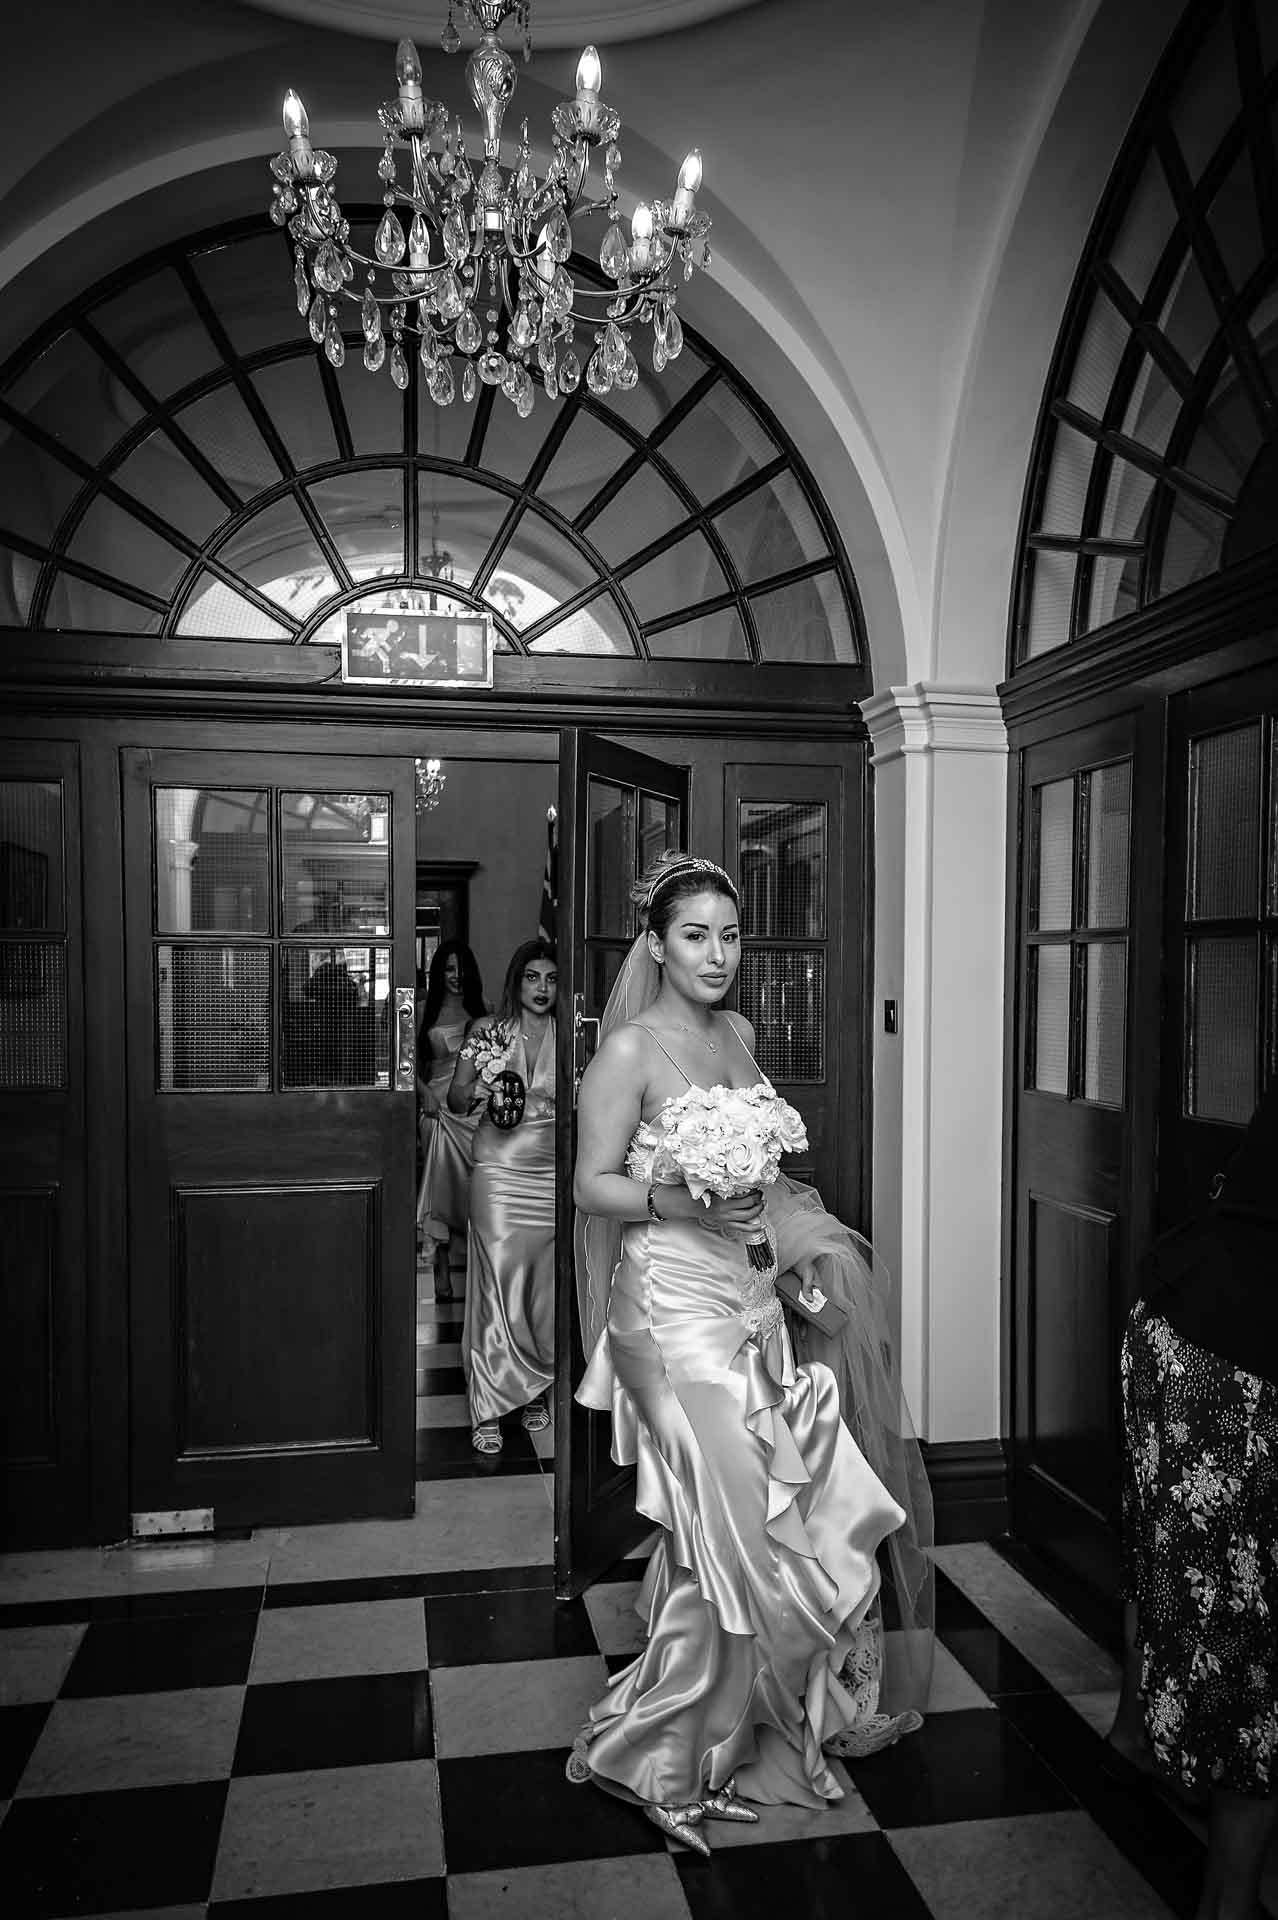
(405, 1041)
(585, 1040)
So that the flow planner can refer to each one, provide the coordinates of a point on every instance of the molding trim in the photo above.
(934, 718)
(969, 1480)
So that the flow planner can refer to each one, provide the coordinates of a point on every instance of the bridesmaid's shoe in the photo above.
(724, 1805)
(681, 1823)
(486, 1437)
(535, 1418)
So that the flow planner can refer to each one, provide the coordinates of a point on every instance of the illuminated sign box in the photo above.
(418, 649)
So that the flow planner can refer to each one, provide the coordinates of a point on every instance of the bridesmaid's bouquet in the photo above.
(724, 1141)
(489, 1050)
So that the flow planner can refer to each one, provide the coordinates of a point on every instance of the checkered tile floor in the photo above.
(371, 1721)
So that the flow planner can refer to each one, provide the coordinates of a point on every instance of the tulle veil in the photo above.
(822, 1252)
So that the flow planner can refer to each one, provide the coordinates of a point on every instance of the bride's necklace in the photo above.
(683, 1027)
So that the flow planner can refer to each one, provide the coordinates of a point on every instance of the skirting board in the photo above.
(969, 1489)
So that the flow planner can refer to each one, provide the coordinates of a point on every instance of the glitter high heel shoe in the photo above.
(724, 1805)
(681, 1824)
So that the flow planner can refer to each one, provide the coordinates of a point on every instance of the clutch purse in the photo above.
(829, 1317)
(506, 1101)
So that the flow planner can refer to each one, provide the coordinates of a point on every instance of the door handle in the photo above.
(585, 1041)
(405, 1041)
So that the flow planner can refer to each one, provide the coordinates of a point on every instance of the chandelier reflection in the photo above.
(480, 276)
(430, 777)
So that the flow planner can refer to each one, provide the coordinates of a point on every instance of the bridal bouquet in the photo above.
(724, 1141)
(489, 1049)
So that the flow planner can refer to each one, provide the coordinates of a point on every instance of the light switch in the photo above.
(889, 1016)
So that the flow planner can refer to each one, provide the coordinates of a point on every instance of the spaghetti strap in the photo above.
(669, 1056)
(749, 1056)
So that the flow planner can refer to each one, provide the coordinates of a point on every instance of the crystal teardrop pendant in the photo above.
(559, 235)
(546, 351)
(448, 299)
(456, 236)
(317, 319)
(598, 376)
(441, 384)
(524, 401)
(388, 242)
(627, 374)
(334, 345)
(521, 333)
(468, 335)
(561, 293)
(450, 39)
(659, 354)
(552, 384)
(569, 373)
(674, 337)
(302, 287)
(374, 351)
(470, 380)
(327, 271)
(510, 380)
(464, 177)
(613, 347)
(428, 352)
(370, 315)
(613, 156)
(614, 255)
(398, 366)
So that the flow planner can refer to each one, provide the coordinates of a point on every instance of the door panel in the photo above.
(269, 918)
(43, 1363)
(618, 810)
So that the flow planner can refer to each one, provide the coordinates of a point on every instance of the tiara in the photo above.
(687, 863)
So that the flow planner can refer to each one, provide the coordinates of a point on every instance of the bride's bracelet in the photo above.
(652, 1204)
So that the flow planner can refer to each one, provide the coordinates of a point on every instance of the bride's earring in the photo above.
(656, 950)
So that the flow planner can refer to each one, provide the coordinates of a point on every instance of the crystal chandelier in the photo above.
(430, 777)
(481, 275)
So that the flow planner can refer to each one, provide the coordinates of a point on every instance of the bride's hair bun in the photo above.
(673, 877)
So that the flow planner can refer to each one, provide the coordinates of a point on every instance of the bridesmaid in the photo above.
(508, 1332)
(454, 1000)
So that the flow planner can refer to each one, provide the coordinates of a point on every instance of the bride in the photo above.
(764, 1649)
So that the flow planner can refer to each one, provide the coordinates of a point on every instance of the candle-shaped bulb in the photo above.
(641, 222)
(296, 124)
(690, 172)
(589, 72)
(408, 68)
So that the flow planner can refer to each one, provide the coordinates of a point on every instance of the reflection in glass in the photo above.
(782, 993)
(658, 827)
(1105, 1030)
(1224, 815)
(336, 855)
(1049, 969)
(33, 1013)
(213, 1017)
(782, 865)
(212, 860)
(1109, 833)
(610, 828)
(1052, 883)
(31, 856)
(772, 530)
(334, 1016)
(1220, 1077)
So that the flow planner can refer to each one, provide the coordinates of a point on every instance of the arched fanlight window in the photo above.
(1156, 460)
(177, 458)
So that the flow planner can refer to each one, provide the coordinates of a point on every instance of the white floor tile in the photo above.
(1043, 1866)
(514, 1706)
(325, 1643)
(339, 1827)
(34, 1661)
(640, 1887)
(135, 1740)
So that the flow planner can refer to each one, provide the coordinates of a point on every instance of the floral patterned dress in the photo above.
(1200, 1530)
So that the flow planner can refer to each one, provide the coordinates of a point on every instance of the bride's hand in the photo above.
(741, 1211)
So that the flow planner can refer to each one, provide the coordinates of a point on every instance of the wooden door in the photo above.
(269, 925)
(1220, 988)
(44, 1393)
(618, 809)
(1071, 1263)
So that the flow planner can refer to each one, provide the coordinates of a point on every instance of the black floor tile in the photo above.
(409, 1586)
(20, 1728)
(186, 1602)
(110, 1852)
(519, 1810)
(445, 1453)
(391, 1900)
(993, 1662)
(856, 1874)
(967, 1765)
(618, 1662)
(470, 1630)
(437, 1380)
(300, 1724)
(1128, 1808)
(156, 1656)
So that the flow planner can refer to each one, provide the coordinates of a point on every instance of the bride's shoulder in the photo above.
(742, 1027)
(626, 1047)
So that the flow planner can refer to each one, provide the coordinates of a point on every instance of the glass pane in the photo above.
(374, 407)
(1207, 98)
(459, 517)
(1224, 824)
(597, 628)
(718, 444)
(1189, 317)
(69, 392)
(610, 858)
(1221, 1055)
(223, 430)
(1228, 437)
(1105, 1030)
(213, 1018)
(1145, 230)
(36, 489)
(153, 326)
(277, 553)
(1234, 219)
(19, 576)
(159, 475)
(538, 570)
(335, 1024)
(112, 541)
(1049, 969)
(772, 530)
(1195, 537)
(714, 636)
(649, 402)
(336, 850)
(808, 620)
(212, 860)
(588, 456)
(1071, 469)
(645, 509)
(511, 444)
(782, 867)
(33, 1013)
(783, 994)
(1096, 363)
(1153, 407)
(603, 964)
(1051, 587)
(1052, 885)
(293, 395)
(1109, 833)
(77, 606)
(250, 284)
(1273, 821)
(680, 577)
(443, 433)
(31, 856)
(216, 612)
(659, 828)
(364, 512)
